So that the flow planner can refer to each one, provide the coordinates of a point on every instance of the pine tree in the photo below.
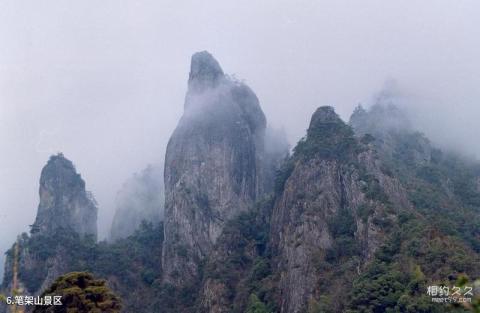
(81, 293)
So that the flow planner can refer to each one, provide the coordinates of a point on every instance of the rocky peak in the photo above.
(331, 178)
(64, 202)
(59, 171)
(327, 136)
(324, 114)
(205, 71)
(213, 166)
(326, 123)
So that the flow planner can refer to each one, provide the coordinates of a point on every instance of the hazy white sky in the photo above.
(104, 81)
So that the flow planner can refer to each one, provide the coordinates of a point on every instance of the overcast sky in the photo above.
(104, 81)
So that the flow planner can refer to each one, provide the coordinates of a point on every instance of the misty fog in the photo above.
(105, 82)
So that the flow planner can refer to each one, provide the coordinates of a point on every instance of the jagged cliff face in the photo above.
(334, 195)
(141, 198)
(355, 222)
(66, 211)
(64, 202)
(439, 182)
(129, 265)
(346, 224)
(212, 167)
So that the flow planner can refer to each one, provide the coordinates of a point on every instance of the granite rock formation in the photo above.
(66, 210)
(333, 190)
(213, 165)
(64, 202)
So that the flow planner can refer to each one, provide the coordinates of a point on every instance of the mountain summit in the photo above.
(361, 217)
(205, 71)
(64, 202)
(213, 165)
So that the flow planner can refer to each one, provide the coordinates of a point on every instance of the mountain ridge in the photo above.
(361, 217)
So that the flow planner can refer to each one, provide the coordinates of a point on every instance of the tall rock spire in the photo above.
(64, 202)
(212, 166)
(205, 72)
(66, 213)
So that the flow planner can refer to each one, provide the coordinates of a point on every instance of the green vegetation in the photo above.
(134, 263)
(256, 306)
(342, 227)
(129, 258)
(43, 248)
(415, 257)
(436, 242)
(372, 188)
(283, 174)
(443, 187)
(243, 263)
(80, 292)
(329, 140)
(474, 306)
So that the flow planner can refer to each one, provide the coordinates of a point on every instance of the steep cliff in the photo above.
(141, 198)
(66, 211)
(360, 218)
(64, 202)
(335, 205)
(58, 245)
(239, 265)
(442, 185)
(213, 166)
(353, 226)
